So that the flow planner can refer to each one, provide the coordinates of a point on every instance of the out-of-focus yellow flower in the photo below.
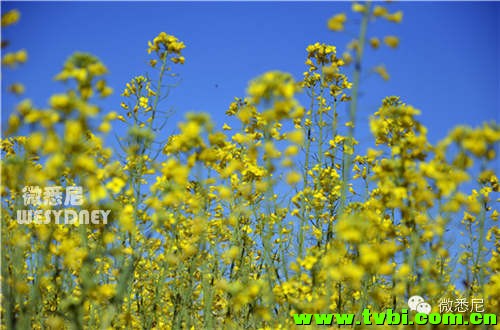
(347, 57)
(16, 88)
(126, 218)
(96, 68)
(374, 42)
(14, 123)
(379, 11)
(308, 262)
(292, 178)
(291, 151)
(179, 59)
(55, 322)
(353, 45)
(336, 23)
(245, 115)
(225, 193)
(73, 132)
(59, 101)
(105, 92)
(403, 271)
(354, 273)
(52, 143)
(108, 238)
(296, 136)
(381, 71)
(396, 17)
(35, 142)
(21, 56)
(116, 185)
(358, 8)
(106, 291)
(10, 17)
(274, 85)
(231, 254)
(391, 41)
(13, 59)
(172, 169)
(271, 150)
(190, 129)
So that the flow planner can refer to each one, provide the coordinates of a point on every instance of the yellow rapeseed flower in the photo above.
(374, 42)
(379, 11)
(126, 218)
(16, 88)
(296, 136)
(10, 17)
(336, 23)
(396, 17)
(292, 178)
(358, 8)
(391, 41)
(381, 71)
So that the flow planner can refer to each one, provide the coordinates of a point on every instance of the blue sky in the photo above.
(446, 64)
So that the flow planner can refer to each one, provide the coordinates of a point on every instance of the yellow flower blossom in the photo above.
(292, 178)
(396, 17)
(382, 72)
(10, 17)
(391, 41)
(16, 88)
(126, 218)
(374, 43)
(358, 8)
(143, 102)
(336, 23)
(296, 136)
(379, 11)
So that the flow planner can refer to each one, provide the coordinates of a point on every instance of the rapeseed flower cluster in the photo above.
(223, 228)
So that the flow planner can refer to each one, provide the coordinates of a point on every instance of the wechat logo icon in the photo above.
(417, 303)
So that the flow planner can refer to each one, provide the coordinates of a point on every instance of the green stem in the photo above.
(158, 90)
(347, 158)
